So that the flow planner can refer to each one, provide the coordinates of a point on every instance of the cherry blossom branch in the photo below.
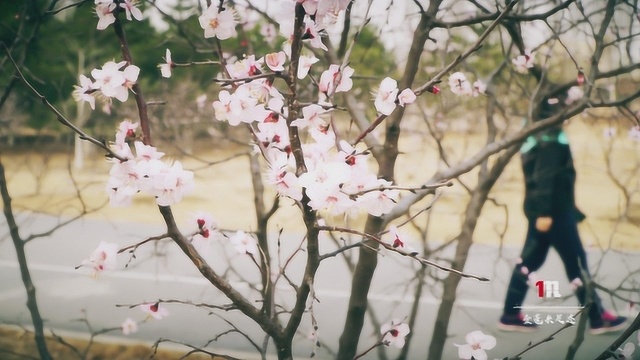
(445, 183)
(195, 349)
(229, 81)
(236, 330)
(472, 49)
(195, 63)
(410, 255)
(437, 78)
(489, 149)
(372, 347)
(76, 4)
(137, 91)
(370, 129)
(135, 247)
(546, 339)
(243, 304)
(341, 250)
(513, 17)
(61, 118)
(635, 325)
(229, 307)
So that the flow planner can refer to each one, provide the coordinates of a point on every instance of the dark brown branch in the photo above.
(635, 325)
(19, 244)
(515, 17)
(395, 250)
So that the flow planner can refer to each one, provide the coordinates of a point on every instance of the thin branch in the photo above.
(410, 255)
(61, 118)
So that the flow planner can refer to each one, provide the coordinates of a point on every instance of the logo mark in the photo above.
(548, 289)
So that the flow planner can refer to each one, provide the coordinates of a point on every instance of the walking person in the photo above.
(552, 215)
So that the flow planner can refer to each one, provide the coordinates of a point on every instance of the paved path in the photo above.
(64, 291)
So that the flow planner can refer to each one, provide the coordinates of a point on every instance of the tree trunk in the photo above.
(19, 244)
(486, 180)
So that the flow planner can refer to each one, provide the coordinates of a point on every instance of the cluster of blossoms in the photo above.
(106, 11)
(242, 242)
(144, 172)
(114, 80)
(337, 179)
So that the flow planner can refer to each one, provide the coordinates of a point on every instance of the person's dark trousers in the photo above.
(564, 237)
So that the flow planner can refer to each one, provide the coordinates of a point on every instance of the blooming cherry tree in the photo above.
(286, 101)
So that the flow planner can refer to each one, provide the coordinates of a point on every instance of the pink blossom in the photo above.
(104, 257)
(336, 80)
(328, 11)
(244, 243)
(312, 34)
(459, 84)
(147, 152)
(154, 310)
(221, 25)
(477, 343)
(378, 202)
(310, 117)
(399, 240)
(130, 9)
(394, 333)
(246, 67)
(385, 101)
(172, 184)
(304, 65)
(327, 196)
(275, 61)
(281, 175)
(575, 93)
(634, 133)
(85, 91)
(524, 62)
(109, 78)
(407, 96)
(115, 83)
(479, 87)
(105, 15)
(310, 6)
(165, 69)
(627, 350)
(268, 31)
(126, 130)
(129, 326)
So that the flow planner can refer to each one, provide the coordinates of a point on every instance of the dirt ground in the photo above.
(18, 344)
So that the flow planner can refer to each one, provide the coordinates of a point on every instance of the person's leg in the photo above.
(564, 236)
(534, 252)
